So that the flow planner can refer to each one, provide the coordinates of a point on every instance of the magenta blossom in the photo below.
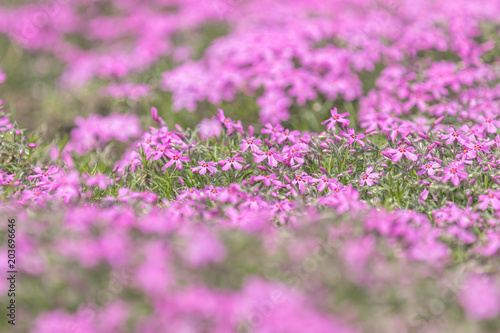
(274, 131)
(232, 161)
(291, 136)
(252, 143)
(204, 166)
(301, 180)
(323, 182)
(353, 137)
(454, 135)
(489, 123)
(158, 152)
(478, 146)
(44, 175)
(293, 155)
(403, 151)
(175, 157)
(336, 118)
(368, 177)
(492, 198)
(269, 179)
(467, 153)
(455, 172)
(230, 125)
(429, 167)
(271, 155)
(480, 297)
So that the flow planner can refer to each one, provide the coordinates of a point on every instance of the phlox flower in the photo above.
(353, 137)
(496, 141)
(192, 193)
(99, 180)
(336, 118)
(252, 143)
(429, 168)
(212, 192)
(232, 161)
(467, 153)
(489, 123)
(301, 180)
(157, 153)
(492, 198)
(454, 135)
(323, 182)
(230, 125)
(286, 134)
(209, 128)
(44, 175)
(175, 157)
(273, 131)
(430, 251)
(5, 124)
(293, 154)
(204, 166)
(418, 98)
(271, 155)
(480, 297)
(269, 180)
(283, 206)
(455, 173)
(368, 177)
(478, 146)
(472, 132)
(403, 151)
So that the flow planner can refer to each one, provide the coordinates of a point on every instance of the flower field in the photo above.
(250, 166)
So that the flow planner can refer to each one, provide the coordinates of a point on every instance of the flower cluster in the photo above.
(339, 170)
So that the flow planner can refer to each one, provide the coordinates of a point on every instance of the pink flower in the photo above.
(232, 161)
(269, 179)
(496, 141)
(204, 166)
(429, 168)
(252, 143)
(293, 154)
(480, 297)
(301, 180)
(454, 135)
(5, 124)
(323, 182)
(489, 123)
(228, 123)
(44, 175)
(492, 198)
(336, 118)
(403, 151)
(175, 157)
(158, 152)
(478, 146)
(467, 153)
(271, 155)
(209, 128)
(455, 173)
(368, 177)
(353, 137)
(286, 134)
(274, 131)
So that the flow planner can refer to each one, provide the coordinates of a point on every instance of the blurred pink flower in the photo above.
(480, 297)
